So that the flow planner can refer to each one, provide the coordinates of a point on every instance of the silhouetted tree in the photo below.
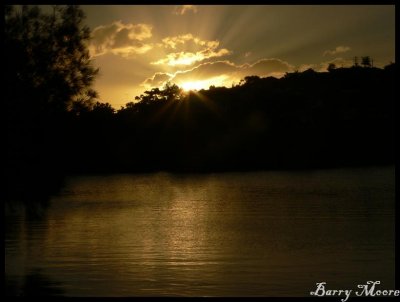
(170, 92)
(47, 60)
(366, 61)
(248, 80)
(48, 74)
(331, 67)
(103, 107)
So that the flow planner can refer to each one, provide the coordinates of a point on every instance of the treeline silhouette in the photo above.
(304, 120)
(344, 117)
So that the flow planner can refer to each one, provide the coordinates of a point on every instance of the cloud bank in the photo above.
(120, 39)
(221, 73)
(188, 49)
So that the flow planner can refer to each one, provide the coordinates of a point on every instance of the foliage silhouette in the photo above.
(48, 80)
(305, 120)
(366, 61)
(47, 55)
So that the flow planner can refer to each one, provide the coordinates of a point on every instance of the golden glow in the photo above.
(189, 58)
(196, 85)
(203, 84)
(140, 47)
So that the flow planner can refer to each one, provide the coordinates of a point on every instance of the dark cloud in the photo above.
(157, 80)
(267, 67)
(206, 70)
(232, 72)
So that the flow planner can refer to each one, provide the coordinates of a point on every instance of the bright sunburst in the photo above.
(195, 85)
(203, 84)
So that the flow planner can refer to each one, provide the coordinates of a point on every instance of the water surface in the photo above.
(229, 234)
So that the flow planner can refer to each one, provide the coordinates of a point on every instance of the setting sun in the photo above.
(196, 85)
(204, 84)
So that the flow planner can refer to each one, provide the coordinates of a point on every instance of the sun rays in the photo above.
(139, 47)
(203, 84)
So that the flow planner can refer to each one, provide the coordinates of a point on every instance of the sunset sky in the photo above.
(139, 47)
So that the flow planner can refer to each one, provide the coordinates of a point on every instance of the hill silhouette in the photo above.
(303, 120)
(344, 117)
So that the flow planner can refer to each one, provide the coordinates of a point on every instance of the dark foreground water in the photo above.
(236, 234)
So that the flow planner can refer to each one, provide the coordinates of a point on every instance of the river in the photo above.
(225, 234)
